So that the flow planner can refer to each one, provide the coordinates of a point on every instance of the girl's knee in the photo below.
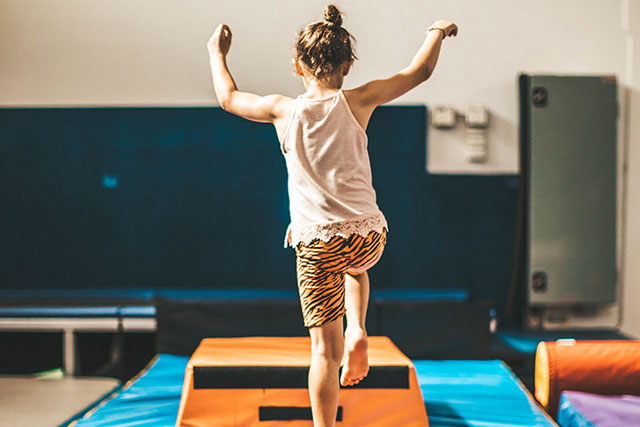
(332, 348)
(330, 353)
(327, 341)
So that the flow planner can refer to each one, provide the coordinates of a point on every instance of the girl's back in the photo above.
(325, 149)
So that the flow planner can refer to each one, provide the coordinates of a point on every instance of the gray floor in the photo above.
(35, 402)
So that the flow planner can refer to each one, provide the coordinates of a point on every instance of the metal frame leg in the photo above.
(69, 351)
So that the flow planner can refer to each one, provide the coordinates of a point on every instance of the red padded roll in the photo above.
(602, 367)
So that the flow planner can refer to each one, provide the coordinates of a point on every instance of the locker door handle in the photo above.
(539, 281)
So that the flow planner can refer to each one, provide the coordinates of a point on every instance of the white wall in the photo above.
(631, 242)
(152, 52)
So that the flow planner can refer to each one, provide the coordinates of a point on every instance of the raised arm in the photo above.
(248, 105)
(381, 91)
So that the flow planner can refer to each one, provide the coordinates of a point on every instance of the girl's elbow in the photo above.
(427, 73)
(420, 75)
(225, 102)
(229, 101)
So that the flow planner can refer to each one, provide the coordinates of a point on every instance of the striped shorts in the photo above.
(321, 268)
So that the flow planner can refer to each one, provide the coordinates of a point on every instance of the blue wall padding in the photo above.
(59, 311)
(419, 295)
(23, 296)
(200, 200)
(196, 198)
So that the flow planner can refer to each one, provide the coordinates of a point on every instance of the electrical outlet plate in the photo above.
(476, 116)
(443, 117)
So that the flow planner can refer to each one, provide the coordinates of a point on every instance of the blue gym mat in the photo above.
(456, 393)
(476, 393)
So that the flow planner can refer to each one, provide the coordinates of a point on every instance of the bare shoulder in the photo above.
(365, 94)
(355, 97)
(360, 105)
(281, 105)
(282, 109)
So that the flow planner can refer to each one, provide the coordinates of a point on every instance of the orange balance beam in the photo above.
(263, 382)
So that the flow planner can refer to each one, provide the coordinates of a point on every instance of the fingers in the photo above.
(225, 30)
(449, 28)
(228, 33)
(220, 40)
(222, 31)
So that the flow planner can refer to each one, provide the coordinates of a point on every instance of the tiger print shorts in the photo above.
(321, 268)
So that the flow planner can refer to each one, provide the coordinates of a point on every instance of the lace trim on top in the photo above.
(325, 231)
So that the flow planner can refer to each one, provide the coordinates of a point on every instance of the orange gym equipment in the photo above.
(263, 382)
(602, 367)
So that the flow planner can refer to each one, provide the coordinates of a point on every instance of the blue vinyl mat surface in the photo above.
(456, 393)
(476, 393)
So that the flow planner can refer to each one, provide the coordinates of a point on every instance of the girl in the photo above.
(336, 228)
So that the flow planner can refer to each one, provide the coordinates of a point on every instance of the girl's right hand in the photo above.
(220, 41)
(449, 28)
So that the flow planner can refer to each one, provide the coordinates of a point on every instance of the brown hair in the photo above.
(323, 46)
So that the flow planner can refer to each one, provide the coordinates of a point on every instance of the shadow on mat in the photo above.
(442, 415)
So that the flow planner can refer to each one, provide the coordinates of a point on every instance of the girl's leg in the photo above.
(356, 298)
(356, 360)
(327, 348)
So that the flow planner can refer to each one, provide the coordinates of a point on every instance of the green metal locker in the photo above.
(568, 158)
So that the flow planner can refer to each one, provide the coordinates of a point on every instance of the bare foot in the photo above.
(356, 357)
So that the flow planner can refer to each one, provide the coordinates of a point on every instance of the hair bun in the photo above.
(332, 15)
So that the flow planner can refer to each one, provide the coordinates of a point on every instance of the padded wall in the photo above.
(196, 198)
(167, 197)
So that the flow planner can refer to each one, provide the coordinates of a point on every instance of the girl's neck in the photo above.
(323, 88)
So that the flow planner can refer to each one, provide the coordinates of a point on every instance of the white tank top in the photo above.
(330, 188)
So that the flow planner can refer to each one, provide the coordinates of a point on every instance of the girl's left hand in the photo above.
(220, 41)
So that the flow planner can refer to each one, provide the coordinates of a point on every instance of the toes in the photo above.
(346, 382)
